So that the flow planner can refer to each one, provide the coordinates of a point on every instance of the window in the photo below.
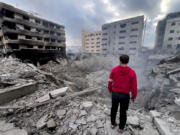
(122, 31)
(122, 48)
(104, 34)
(132, 48)
(37, 21)
(171, 31)
(136, 29)
(132, 42)
(104, 44)
(134, 22)
(45, 24)
(27, 28)
(46, 31)
(120, 43)
(123, 25)
(178, 38)
(122, 37)
(104, 39)
(170, 39)
(173, 23)
(8, 13)
(38, 30)
(169, 46)
(178, 47)
(104, 28)
(98, 46)
(26, 18)
(104, 49)
(133, 35)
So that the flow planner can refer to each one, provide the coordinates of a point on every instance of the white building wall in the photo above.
(123, 36)
(172, 35)
(91, 41)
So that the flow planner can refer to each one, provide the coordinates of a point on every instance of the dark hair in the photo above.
(124, 59)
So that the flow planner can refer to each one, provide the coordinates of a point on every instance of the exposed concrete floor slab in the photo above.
(9, 94)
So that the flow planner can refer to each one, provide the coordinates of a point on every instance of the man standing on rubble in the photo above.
(122, 81)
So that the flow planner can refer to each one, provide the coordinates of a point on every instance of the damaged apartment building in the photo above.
(168, 34)
(123, 37)
(28, 36)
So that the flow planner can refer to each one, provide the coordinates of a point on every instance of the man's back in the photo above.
(123, 79)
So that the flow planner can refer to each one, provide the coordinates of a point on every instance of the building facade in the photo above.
(123, 37)
(169, 38)
(28, 35)
(91, 42)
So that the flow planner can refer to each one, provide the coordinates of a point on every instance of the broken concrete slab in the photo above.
(133, 120)
(51, 124)
(54, 93)
(6, 126)
(87, 105)
(42, 122)
(162, 126)
(15, 132)
(176, 90)
(61, 113)
(43, 98)
(154, 113)
(9, 94)
(82, 113)
(173, 71)
(177, 101)
(9, 129)
(59, 92)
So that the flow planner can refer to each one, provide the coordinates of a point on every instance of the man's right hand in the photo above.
(133, 100)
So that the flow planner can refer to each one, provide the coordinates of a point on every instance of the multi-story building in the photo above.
(29, 36)
(91, 42)
(123, 37)
(168, 33)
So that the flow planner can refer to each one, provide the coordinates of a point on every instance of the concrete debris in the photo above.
(162, 127)
(176, 90)
(54, 93)
(61, 113)
(10, 129)
(174, 71)
(75, 109)
(43, 98)
(51, 124)
(177, 101)
(133, 120)
(59, 92)
(42, 122)
(87, 105)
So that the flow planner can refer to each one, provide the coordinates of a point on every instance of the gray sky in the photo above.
(76, 15)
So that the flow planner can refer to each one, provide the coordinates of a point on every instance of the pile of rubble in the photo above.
(71, 97)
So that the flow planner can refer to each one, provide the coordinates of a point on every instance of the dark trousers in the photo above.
(123, 100)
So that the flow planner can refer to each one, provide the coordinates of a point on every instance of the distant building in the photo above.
(91, 42)
(168, 33)
(123, 37)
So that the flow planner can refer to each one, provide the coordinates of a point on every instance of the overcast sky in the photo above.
(76, 15)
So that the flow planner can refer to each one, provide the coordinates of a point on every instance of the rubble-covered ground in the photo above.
(88, 114)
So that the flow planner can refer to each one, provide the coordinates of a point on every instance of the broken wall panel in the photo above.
(21, 30)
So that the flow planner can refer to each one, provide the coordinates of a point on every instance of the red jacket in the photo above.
(123, 79)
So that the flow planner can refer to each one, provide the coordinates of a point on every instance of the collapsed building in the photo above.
(28, 36)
